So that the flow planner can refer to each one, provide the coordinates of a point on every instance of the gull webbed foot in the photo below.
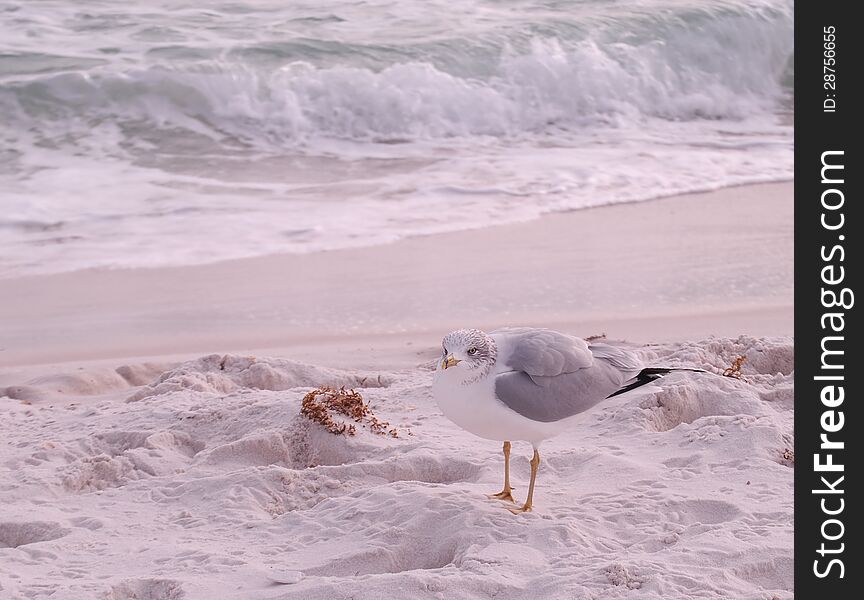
(522, 509)
(505, 494)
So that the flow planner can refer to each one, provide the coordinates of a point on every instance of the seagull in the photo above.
(528, 384)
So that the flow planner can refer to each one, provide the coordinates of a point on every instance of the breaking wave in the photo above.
(680, 66)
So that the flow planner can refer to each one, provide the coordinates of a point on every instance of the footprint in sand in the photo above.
(15, 535)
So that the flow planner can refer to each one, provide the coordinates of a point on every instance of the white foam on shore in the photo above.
(216, 486)
(144, 218)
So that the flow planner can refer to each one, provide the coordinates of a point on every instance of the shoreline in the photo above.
(644, 271)
(388, 242)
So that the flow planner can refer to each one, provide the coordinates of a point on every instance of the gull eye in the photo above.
(472, 351)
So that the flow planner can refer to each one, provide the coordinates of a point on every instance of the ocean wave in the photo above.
(678, 66)
(137, 137)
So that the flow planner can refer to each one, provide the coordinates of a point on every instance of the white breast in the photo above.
(475, 408)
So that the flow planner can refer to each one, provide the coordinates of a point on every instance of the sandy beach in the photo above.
(221, 224)
(152, 445)
(687, 267)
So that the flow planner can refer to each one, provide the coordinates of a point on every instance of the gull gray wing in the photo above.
(626, 362)
(556, 397)
(541, 352)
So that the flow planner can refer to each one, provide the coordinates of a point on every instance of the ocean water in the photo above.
(167, 132)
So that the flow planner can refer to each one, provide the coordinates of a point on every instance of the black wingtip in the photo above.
(649, 374)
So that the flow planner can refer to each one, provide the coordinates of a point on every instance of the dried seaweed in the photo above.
(322, 403)
(735, 370)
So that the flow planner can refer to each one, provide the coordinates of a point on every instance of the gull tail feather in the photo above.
(650, 374)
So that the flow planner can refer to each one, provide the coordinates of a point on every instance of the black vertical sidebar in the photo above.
(829, 223)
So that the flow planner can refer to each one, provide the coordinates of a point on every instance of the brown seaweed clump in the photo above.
(735, 370)
(322, 403)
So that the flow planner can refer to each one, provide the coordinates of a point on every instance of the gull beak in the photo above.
(450, 361)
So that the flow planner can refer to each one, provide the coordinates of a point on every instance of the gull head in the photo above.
(467, 354)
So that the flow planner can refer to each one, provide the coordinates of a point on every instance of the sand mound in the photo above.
(91, 381)
(221, 374)
(696, 397)
(766, 358)
(117, 457)
(27, 393)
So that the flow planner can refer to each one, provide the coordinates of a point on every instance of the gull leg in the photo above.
(505, 494)
(535, 462)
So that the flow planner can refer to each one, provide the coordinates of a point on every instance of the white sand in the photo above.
(207, 484)
(129, 474)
